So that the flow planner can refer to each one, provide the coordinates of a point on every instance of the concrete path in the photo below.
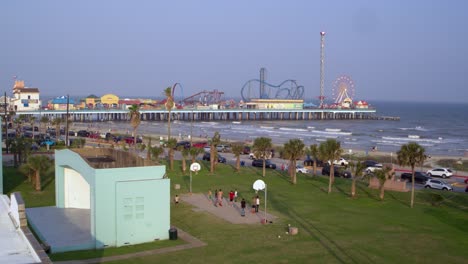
(227, 212)
(192, 243)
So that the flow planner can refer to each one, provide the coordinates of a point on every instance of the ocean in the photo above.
(441, 128)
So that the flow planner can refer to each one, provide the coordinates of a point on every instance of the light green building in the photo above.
(125, 197)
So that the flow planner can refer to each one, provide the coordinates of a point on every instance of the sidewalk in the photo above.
(227, 212)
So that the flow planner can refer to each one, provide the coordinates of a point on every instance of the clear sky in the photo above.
(393, 50)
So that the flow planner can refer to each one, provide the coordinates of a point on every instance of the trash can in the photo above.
(173, 233)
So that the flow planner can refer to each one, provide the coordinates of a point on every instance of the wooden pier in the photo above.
(214, 115)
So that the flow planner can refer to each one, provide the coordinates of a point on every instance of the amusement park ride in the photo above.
(343, 90)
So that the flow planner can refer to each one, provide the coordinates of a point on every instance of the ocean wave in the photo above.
(292, 129)
(332, 132)
(267, 127)
(407, 139)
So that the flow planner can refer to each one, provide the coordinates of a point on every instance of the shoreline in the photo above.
(346, 151)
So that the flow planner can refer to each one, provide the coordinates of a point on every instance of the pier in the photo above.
(213, 114)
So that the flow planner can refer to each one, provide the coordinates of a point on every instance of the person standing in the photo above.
(216, 197)
(210, 197)
(231, 197)
(220, 197)
(235, 195)
(243, 207)
(253, 204)
(257, 203)
(176, 199)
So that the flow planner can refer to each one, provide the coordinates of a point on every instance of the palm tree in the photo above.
(148, 150)
(314, 154)
(194, 152)
(215, 140)
(357, 169)
(44, 121)
(237, 150)
(135, 120)
(185, 153)
(262, 148)
(156, 152)
(383, 175)
(38, 164)
(293, 150)
(411, 154)
(32, 122)
(171, 145)
(169, 105)
(330, 150)
(57, 122)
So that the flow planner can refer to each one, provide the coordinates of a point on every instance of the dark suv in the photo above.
(338, 171)
(419, 177)
(259, 163)
(207, 156)
(185, 144)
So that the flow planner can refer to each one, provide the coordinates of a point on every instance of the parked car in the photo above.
(223, 148)
(338, 171)
(185, 144)
(207, 148)
(246, 150)
(83, 133)
(259, 163)
(438, 184)
(301, 169)
(207, 156)
(252, 156)
(47, 142)
(94, 135)
(341, 162)
(419, 177)
(131, 140)
(371, 163)
(440, 172)
(372, 169)
(310, 162)
(200, 144)
(466, 180)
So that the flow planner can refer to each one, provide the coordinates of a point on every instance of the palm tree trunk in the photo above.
(171, 158)
(135, 140)
(330, 181)
(184, 164)
(263, 168)
(412, 186)
(38, 181)
(169, 125)
(238, 164)
(212, 159)
(315, 167)
(353, 188)
(293, 171)
(382, 191)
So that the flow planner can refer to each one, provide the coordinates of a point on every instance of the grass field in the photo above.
(332, 227)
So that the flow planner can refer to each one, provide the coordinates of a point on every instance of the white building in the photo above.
(24, 98)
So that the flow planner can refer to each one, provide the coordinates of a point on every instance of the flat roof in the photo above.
(13, 245)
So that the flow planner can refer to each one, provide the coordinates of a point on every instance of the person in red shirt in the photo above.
(231, 197)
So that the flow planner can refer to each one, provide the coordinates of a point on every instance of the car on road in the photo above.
(207, 148)
(419, 177)
(438, 184)
(246, 150)
(301, 169)
(371, 163)
(200, 144)
(131, 140)
(440, 172)
(338, 171)
(207, 157)
(259, 163)
(310, 162)
(341, 162)
(47, 142)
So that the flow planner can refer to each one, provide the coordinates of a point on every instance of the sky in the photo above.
(392, 50)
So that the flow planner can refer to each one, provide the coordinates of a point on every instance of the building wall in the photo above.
(76, 190)
(133, 188)
(27, 101)
(127, 204)
(111, 100)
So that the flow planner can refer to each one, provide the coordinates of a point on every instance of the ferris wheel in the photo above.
(343, 88)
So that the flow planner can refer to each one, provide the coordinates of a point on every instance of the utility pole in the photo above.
(322, 67)
(6, 123)
(66, 122)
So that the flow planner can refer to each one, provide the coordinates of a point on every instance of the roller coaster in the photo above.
(260, 89)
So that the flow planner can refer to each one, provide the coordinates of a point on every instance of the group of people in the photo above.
(218, 197)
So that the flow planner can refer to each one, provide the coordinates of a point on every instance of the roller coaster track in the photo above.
(294, 91)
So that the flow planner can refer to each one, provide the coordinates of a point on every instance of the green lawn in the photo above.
(332, 227)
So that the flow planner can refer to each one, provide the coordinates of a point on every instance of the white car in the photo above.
(438, 184)
(341, 162)
(440, 172)
(301, 169)
(207, 148)
(372, 169)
